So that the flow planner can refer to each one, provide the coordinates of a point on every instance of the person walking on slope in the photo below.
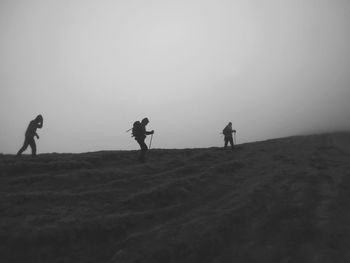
(140, 133)
(227, 131)
(30, 133)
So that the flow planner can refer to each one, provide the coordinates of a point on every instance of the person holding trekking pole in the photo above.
(139, 133)
(227, 131)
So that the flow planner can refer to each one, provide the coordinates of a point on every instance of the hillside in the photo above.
(282, 200)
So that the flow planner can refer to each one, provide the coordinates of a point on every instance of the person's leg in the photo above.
(24, 147)
(231, 142)
(33, 146)
(143, 149)
(226, 142)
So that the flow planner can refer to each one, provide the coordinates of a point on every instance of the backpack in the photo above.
(226, 131)
(137, 129)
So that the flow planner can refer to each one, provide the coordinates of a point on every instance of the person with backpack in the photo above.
(139, 133)
(227, 131)
(30, 133)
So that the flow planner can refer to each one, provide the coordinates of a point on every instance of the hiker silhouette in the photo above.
(227, 131)
(140, 133)
(30, 133)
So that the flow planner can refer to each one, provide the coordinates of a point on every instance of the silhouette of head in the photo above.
(230, 123)
(39, 118)
(145, 121)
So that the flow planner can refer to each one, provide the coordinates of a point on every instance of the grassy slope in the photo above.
(284, 200)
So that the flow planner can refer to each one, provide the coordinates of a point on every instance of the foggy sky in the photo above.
(274, 68)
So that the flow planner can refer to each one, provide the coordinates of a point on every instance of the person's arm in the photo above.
(40, 124)
(149, 132)
(37, 136)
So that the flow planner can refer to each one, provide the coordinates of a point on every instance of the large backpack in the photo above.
(226, 131)
(137, 129)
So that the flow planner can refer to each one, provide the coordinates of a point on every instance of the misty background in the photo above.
(273, 68)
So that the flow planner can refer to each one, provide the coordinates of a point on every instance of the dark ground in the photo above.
(284, 200)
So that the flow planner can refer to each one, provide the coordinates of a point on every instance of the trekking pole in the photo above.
(150, 143)
(129, 130)
(235, 138)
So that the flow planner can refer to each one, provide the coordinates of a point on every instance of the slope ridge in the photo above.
(281, 200)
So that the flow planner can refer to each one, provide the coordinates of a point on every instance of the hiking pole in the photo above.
(150, 143)
(129, 130)
(234, 137)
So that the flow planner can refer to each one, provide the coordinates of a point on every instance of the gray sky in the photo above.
(274, 68)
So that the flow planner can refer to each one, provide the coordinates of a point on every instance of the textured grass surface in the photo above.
(283, 200)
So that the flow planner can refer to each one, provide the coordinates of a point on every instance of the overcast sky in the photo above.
(274, 68)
